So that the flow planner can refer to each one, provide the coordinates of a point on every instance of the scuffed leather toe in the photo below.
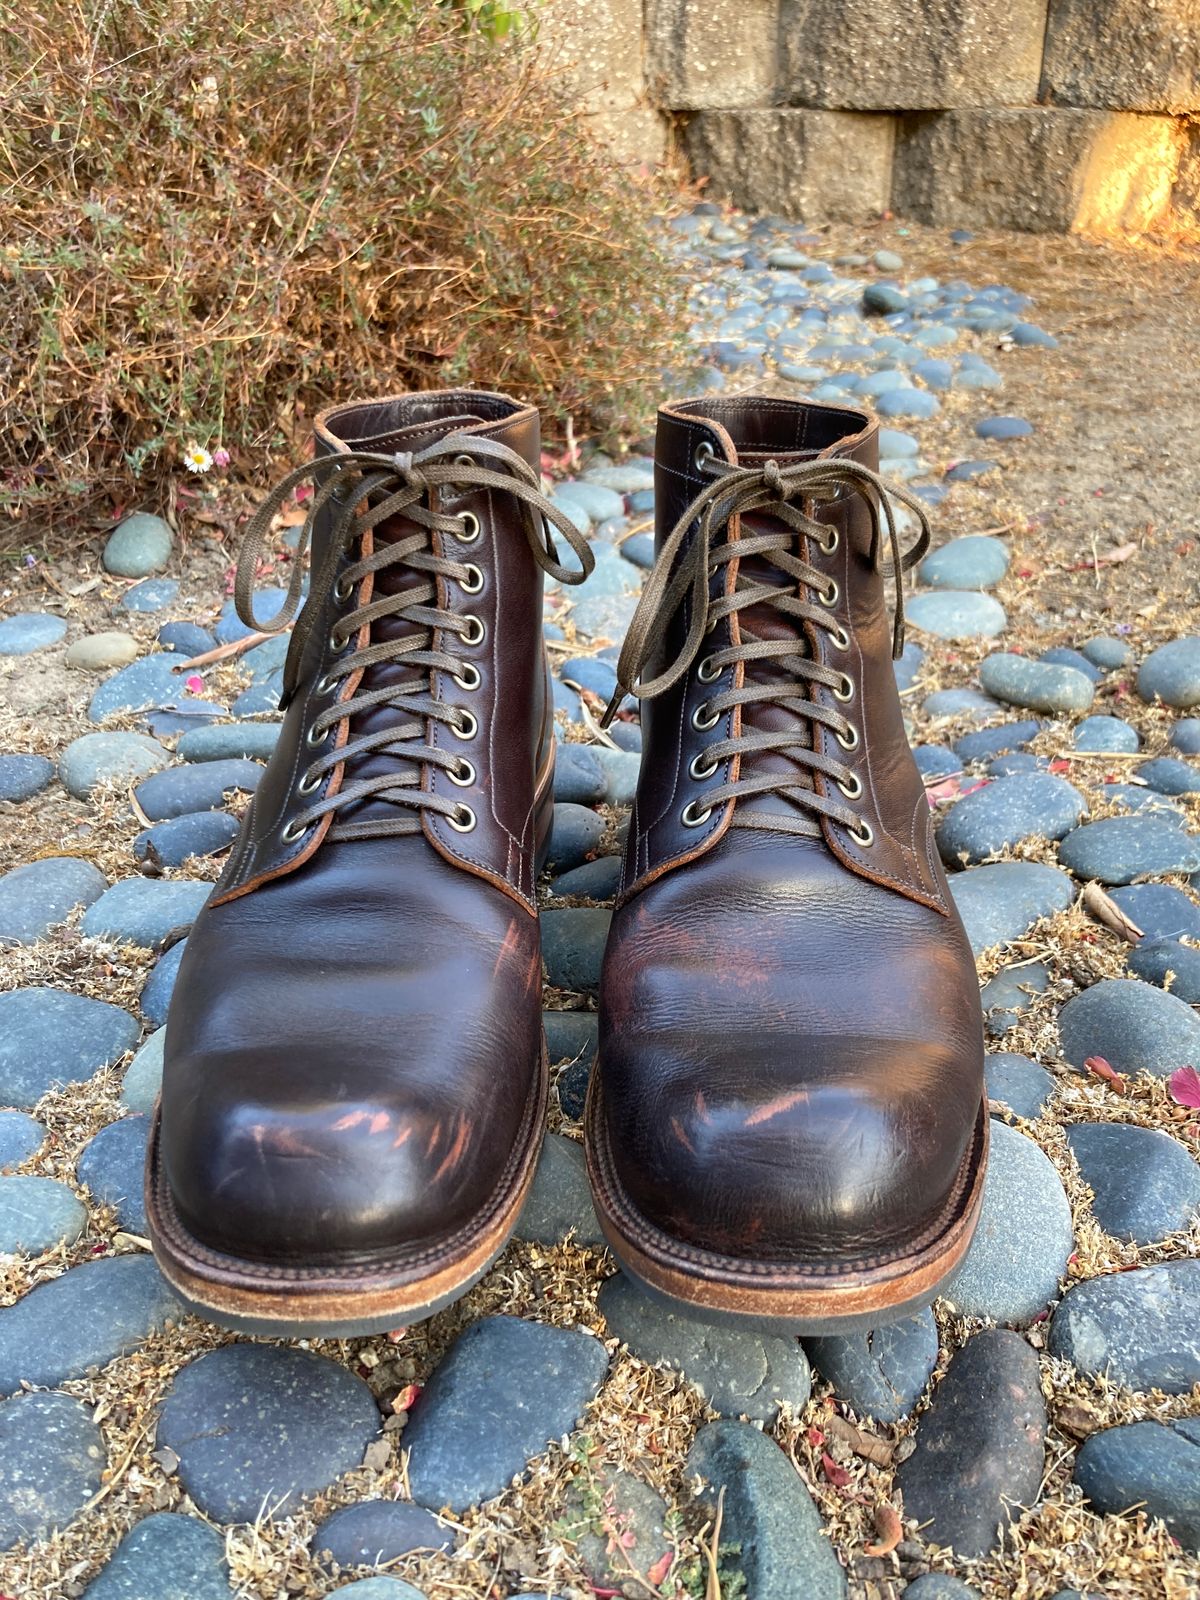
(750, 1110)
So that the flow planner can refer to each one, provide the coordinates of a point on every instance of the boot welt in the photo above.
(361, 1297)
(798, 1297)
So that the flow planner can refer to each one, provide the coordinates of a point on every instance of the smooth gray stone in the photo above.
(957, 614)
(980, 1447)
(199, 786)
(570, 1035)
(575, 836)
(1145, 1183)
(594, 880)
(21, 776)
(144, 911)
(976, 561)
(1117, 850)
(185, 638)
(138, 546)
(559, 1202)
(620, 768)
(51, 1460)
(229, 741)
(881, 1373)
(143, 1076)
(1172, 674)
(21, 1136)
(27, 631)
(1185, 736)
(935, 761)
(100, 652)
(49, 1037)
(960, 703)
(909, 665)
(738, 1371)
(85, 1318)
(1004, 813)
(505, 1390)
(1150, 1464)
(112, 1164)
(1142, 1328)
(120, 758)
(1000, 740)
(1169, 775)
(1011, 993)
(152, 594)
(1133, 1025)
(1166, 961)
(377, 1531)
(768, 1514)
(1024, 1237)
(1018, 1083)
(939, 1586)
(573, 940)
(36, 1214)
(261, 1425)
(380, 1588)
(1160, 910)
(155, 998)
(1036, 685)
(199, 833)
(167, 1556)
(38, 896)
(1062, 656)
(1002, 902)
(1106, 734)
(148, 683)
(1136, 798)
(628, 1532)
(579, 778)
(1106, 652)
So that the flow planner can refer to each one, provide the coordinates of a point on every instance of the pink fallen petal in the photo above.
(194, 683)
(1184, 1084)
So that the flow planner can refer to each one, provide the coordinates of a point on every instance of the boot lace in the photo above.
(805, 597)
(363, 490)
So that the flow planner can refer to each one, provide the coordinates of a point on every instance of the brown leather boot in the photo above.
(787, 1118)
(355, 1080)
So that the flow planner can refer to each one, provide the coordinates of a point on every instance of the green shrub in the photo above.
(211, 214)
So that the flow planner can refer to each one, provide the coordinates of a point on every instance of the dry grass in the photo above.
(213, 220)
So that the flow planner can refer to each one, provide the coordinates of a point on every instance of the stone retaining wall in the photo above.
(1045, 115)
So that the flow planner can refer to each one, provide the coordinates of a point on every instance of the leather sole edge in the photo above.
(714, 1289)
(330, 1302)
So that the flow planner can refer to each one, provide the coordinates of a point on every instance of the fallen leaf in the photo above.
(656, 1572)
(890, 1530)
(837, 1476)
(1184, 1084)
(1104, 1069)
(1077, 1419)
(1105, 909)
(869, 1446)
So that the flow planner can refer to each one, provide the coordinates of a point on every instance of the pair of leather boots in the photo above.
(786, 1119)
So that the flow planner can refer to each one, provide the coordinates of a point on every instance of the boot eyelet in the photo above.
(292, 831)
(702, 456)
(307, 785)
(462, 459)
(852, 790)
(315, 737)
(473, 582)
(326, 685)
(828, 547)
(466, 727)
(694, 817)
(704, 717)
(849, 739)
(342, 590)
(701, 768)
(337, 644)
(708, 670)
(469, 678)
(476, 630)
(829, 595)
(469, 531)
(840, 639)
(462, 773)
(461, 819)
(845, 690)
(863, 835)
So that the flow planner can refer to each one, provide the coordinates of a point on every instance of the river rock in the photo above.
(1133, 1025)
(1036, 685)
(1002, 902)
(23, 776)
(956, 614)
(1172, 674)
(976, 561)
(882, 1372)
(1017, 1083)
(1154, 1465)
(1006, 812)
(167, 1556)
(1141, 1327)
(51, 1461)
(138, 546)
(1145, 1183)
(38, 896)
(49, 1037)
(96, 758)
(1117, 850)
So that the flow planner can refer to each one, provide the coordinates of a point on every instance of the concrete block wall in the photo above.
(1043, 115)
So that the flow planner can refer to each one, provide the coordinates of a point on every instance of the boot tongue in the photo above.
(766, 622)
